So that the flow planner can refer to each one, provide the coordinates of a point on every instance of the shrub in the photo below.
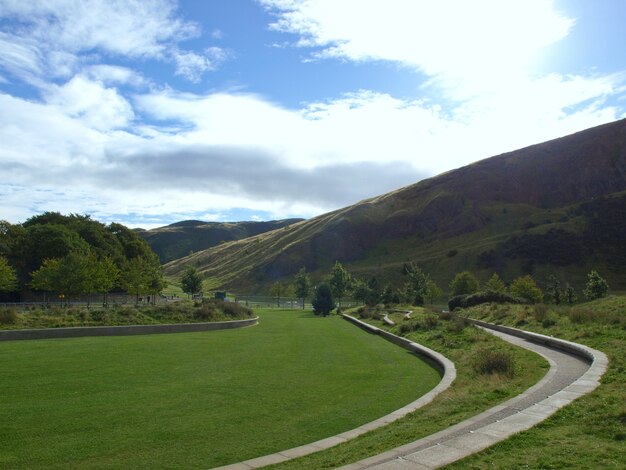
(464, 283)
(596, 286)
(446, 316)
(431, 322)
(409, 327)
(494, 362)
(464, 301)
(323, 301)
(526, 288)
(459, 324)
(8, 316)
(540, 312)
(205, 312)
(233, 309)
(550, 319)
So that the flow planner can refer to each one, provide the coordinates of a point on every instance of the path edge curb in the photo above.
(507, 427)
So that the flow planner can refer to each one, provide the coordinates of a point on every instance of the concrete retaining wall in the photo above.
(567, 346)
(74, 332)
(443, 364)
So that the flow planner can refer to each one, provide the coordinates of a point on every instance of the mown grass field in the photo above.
(471, 393)
(197, 400)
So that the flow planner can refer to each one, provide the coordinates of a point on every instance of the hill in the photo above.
(557, 207)
(181, 238)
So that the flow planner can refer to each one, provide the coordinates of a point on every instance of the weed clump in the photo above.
(488, 362)
(8, 316)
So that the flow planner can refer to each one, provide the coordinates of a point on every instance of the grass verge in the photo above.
(197, 400)
(471, 393)
(589, 433)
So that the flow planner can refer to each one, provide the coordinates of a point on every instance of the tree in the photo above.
(387, 296)
(8, 279)
(302, 283)
(104, 277)
(526, 288)
(69, 276)
(323, 301)
(417, 284)
(495, 284)
(596, 286)
(339, 280)
(570, 296)
(191, 281)
(464, 283)
(553, 289)
(433, 291)
(137, 277)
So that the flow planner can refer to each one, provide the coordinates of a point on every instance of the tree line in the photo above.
(418, 289)
(73, 255)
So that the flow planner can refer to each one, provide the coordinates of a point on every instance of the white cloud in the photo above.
(98, 107)
(115, 74)
(125, 27)
(470, 44)
(54, 37)
(192, 65)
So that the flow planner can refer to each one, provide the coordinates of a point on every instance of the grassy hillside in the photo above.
(557, 207)
(182, 238)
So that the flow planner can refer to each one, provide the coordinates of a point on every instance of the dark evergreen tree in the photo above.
(323, 301)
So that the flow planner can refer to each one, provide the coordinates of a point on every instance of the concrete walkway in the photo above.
(570, 376)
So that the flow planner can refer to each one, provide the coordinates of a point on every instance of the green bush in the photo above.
(489, 361)
(8, 316)
(205, 312)
(431, 322)
(465, 301)
(409, 327)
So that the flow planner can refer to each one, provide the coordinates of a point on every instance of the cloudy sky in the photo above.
(148, 112)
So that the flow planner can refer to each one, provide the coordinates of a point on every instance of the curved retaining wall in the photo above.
(450, 444)
(125, 330)
(579, 350)
(443, 364)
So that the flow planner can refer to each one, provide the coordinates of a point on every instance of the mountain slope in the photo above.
(533, 210)
(180, 239)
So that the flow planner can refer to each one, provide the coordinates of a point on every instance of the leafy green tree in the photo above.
(525, 287)
(417, 284)
(69, 276)
(433, 291)
(104, 276)
(323, 301)
(8, 279)
(137, 277)
(570, 295)
(596, 286)
(464, 283)
(495, 284)
(191, 281)
(553, 289)
(302, 283)
(339, 280)
(387, 295)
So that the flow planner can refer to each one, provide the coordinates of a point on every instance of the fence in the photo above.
(260, 301)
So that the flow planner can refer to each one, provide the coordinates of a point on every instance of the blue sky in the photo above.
(149, 112)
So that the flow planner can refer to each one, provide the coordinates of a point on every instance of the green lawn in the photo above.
(197, 400)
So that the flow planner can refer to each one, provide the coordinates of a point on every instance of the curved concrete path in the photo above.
(574, 371)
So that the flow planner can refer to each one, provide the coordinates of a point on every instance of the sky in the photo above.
(148, 112)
